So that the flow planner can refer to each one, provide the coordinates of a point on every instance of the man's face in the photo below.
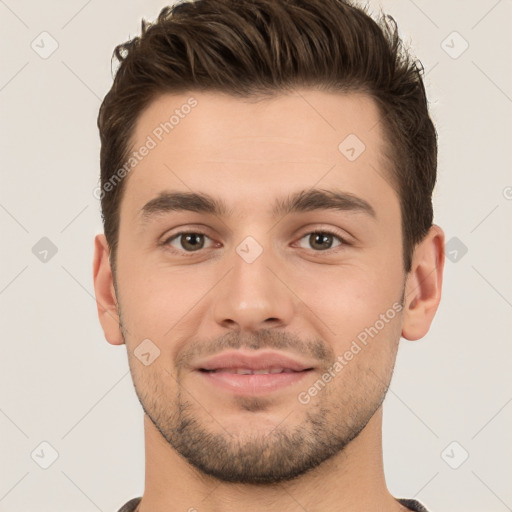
(256, 279)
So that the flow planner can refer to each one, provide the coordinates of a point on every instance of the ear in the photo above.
(424, 284)
(106, 300)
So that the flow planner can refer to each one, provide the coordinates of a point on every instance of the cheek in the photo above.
(350, 295)
(158, 302)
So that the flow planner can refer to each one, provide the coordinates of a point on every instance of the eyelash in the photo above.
(166, 242)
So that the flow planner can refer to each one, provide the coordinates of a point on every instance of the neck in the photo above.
(352, 480)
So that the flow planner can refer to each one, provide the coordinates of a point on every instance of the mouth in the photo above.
(249, 373)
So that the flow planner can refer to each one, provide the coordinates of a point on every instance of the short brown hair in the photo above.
(250, 48)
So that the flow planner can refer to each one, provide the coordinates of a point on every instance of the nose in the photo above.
(254, 296)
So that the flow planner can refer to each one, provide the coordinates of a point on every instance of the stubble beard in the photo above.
(285, 452)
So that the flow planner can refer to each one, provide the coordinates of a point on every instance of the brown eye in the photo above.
(187, 241)
(321, 240)
(192, 241)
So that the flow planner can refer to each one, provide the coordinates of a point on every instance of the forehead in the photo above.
(247, 150)
(207, 119)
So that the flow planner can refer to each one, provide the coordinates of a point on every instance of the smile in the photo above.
(248, 371)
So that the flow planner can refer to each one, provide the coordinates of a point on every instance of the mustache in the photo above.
(315, 349)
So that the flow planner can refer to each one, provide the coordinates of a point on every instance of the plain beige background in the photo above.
(61, 383)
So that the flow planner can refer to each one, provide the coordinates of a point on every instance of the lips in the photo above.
(245, 373)
(244, 363)
(248, 371)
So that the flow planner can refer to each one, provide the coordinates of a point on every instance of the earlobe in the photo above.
(424, 285)
(106, 300)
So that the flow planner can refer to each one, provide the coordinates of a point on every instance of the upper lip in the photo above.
(252, 361)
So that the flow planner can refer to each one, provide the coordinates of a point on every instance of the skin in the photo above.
(303, 301)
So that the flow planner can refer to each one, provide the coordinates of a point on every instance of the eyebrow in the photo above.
(302, 201)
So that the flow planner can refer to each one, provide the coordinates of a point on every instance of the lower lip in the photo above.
(253, 384)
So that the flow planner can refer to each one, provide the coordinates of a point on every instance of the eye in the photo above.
(188, 241)
(321, 240)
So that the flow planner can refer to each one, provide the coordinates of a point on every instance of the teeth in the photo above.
(246, 371)
(243, 371)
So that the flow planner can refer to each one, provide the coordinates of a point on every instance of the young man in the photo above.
(267, 168)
